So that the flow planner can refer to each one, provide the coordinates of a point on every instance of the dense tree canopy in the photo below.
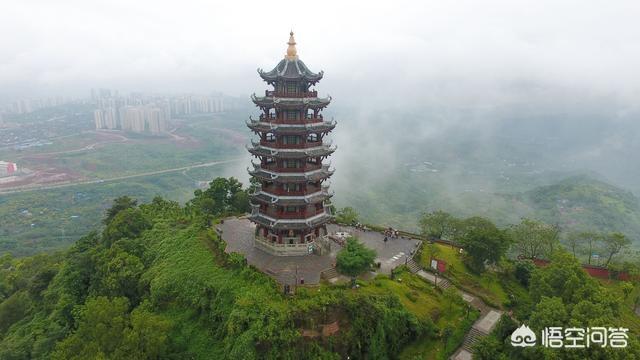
(107, 329)
(564, 295)
(440, 225)
(354, 258)
(119, 204)
(223, 197)
(156, 283)
(535, 239)
(614, 243)
(347, 215)
(483, 242)
(584, 241)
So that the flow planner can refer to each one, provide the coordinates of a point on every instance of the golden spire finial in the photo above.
(292, 53)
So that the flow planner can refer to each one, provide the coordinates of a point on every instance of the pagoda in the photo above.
(290, 207)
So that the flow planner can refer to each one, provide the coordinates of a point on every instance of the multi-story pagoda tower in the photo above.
(289, 208)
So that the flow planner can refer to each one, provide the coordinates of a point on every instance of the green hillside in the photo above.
(157, 284)
(576, 202)
(583, 202)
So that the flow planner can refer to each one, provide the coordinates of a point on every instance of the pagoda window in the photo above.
(313, 137)
(290, 209)
(292, 187)
(292, 88)
(291, 164)
(292, 115)
(291, 139)
(270, 137)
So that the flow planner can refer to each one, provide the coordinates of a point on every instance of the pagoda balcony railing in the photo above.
(282, 120)
(292, 170)
(309, 190)
(281, 169)
(293, 215)
(285, 94)
(308, 168)
(284, 249)
(307, 196)
(265, 117)
(280, 145)
(289, 128)
(311, 117)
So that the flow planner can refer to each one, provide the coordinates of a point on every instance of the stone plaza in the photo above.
(239, 234)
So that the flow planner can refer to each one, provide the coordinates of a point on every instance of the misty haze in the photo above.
(521, 120)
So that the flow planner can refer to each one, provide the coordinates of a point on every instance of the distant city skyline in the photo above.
(146, 113)
(29, 104)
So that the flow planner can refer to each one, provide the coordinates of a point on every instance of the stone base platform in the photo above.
(238, 233)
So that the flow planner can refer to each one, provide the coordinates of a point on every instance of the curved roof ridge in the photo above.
(283, 71)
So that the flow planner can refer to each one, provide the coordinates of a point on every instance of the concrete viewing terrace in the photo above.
(238, 233)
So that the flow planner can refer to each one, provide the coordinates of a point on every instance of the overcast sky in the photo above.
(438, 47)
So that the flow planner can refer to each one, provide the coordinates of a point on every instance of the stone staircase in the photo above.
(472, 338)
(282, 278)
(329, 274)
(413, 266)
(443, 283)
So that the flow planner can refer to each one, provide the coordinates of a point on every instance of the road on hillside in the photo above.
(117, 178)
(121, 139)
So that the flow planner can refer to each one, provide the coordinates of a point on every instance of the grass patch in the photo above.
(492, 287)
(428, 304)
(627, 315)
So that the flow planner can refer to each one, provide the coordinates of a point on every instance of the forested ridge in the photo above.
(156, 283)
(581, 202)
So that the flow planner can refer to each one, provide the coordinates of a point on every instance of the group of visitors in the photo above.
(390, 233)
(360, 226)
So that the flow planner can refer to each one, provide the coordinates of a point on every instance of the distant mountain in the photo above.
(584, 202)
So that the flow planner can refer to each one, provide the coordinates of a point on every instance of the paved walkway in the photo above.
(487, 322)
(391, 254)
(238, 233)
(489, 317)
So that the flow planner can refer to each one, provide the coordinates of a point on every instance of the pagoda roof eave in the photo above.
(319, 151)
(290, 69)
(290, 224)
(261, 126)
(315, 198)
(310, 176)
(311, 102)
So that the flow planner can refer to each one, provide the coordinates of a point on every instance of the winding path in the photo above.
(488, 319)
